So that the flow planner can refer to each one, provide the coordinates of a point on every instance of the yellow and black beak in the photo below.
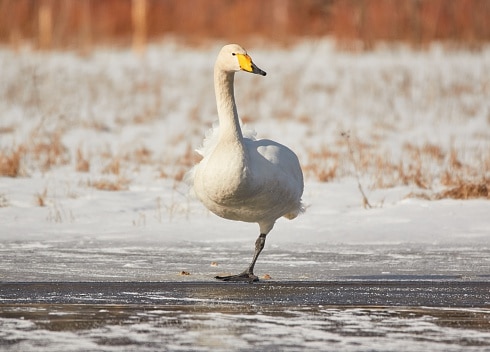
(246, 64)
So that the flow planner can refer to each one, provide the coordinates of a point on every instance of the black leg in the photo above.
(248, 274)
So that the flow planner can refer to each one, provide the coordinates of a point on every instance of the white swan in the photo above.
(240, 178)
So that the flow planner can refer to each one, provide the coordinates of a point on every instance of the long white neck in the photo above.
(229, 125)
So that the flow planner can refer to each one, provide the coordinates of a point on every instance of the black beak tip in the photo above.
(258, 71)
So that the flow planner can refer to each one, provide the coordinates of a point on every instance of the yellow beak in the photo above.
(246, 64)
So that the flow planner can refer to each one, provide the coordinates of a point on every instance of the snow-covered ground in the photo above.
(98, 147)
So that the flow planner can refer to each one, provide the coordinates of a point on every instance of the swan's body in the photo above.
(240, 178)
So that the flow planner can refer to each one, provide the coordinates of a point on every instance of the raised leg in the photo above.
(248, 274)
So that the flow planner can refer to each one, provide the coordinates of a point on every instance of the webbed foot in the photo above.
(248, 275)
(243, 277)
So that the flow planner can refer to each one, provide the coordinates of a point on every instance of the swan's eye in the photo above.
(233, 54)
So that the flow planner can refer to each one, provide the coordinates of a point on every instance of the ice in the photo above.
(350, 329)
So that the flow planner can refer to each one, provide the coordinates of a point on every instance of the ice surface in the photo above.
(245, 329)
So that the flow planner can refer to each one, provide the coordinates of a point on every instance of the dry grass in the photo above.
(43, 152)
(113, 167)
(40, 198)
(180, 174)
(322, 164)
(82, 163)
(11, 162)
(421, 166)
(365, 201)
(120, 184)
(463, 190)
(466, 190)
(49, 151)
(325, 174)
(74, 23)
(140, 155)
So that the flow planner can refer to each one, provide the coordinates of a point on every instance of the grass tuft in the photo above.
(40, 198)
(83, 165)
(365, 201)
(10, 162)
(120, 184)
(467, 190)
(50, 151)
(114, 167)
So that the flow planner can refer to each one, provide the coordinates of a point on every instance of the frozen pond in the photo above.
(118, 294)
(67, 296)
(272, 316)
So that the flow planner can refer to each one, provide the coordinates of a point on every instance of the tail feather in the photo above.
(293, 214)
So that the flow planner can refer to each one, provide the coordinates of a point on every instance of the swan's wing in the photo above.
(281, 157)
(278, 166)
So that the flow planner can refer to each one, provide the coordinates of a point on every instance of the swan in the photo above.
(241, 178)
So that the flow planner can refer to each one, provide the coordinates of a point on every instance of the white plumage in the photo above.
(239, 177)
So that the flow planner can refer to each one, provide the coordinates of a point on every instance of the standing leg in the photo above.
(248, 274)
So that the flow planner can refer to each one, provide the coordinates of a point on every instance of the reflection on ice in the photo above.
(237, 327)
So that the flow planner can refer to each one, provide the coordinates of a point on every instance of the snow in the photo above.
(147, 113)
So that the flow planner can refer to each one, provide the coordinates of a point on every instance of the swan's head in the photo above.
(233, 58)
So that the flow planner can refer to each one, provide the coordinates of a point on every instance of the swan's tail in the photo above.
(299, 210)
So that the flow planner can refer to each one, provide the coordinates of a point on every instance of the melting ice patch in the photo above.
(246, 329)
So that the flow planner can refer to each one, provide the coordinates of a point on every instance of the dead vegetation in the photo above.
(82, 24)
(462, 190)
(421, 166)
(113, 167)
(426, 167)
(365, 201)
(42, 152)
(322, 164)
(11, 162)
(119, 184)
(467, 190)
(48, 150)
(82, 163)
(40, 198)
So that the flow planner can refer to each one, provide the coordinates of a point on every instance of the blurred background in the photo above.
(356, 24)
(410, 79)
